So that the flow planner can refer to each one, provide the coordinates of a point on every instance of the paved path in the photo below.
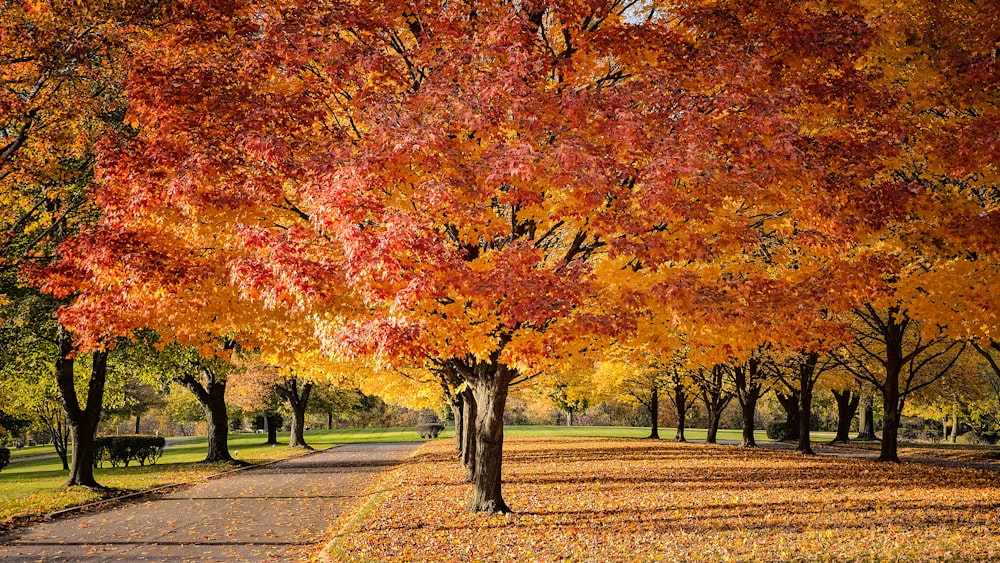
(279, 512)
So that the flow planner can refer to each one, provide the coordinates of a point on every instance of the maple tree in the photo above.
(483, 186)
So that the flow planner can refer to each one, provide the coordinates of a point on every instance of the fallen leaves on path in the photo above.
(637, 500)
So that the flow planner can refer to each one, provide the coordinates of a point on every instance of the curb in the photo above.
(90, 506)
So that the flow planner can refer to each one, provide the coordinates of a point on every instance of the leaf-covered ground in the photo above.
(637, 500)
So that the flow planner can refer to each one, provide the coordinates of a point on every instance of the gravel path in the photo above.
(278, 512)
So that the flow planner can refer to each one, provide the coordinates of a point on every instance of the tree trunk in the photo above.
(680, 405)
(866, 420)
(954, 424)
(749, 411)
(138, 418)
(746, 379)
(329, 421)
(469, 415)
(298, 400)
(790, 404)
(455, 403)
(807, 378)
(490, 388)
(713, 427)
(82, 421)
(569, 416)
(891, 405)
(654, 414)
(271, 425)
(847, 407)
(212, 398)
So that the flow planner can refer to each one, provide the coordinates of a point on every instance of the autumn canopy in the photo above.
(489, 189)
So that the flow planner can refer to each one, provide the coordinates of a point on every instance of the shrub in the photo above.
(122, 450)
(4, 458)
(970, 438)
(777, 430)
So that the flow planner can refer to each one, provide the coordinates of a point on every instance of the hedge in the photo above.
(122, 450)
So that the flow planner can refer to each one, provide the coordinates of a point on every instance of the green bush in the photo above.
(4, 458)
(776, 430)
(122, 450)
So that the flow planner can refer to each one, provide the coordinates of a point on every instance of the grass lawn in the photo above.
(35, 487)
(607, 499)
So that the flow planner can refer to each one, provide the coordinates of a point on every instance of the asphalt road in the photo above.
(279, 512)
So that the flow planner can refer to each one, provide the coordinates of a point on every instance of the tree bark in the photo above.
(212, 398)
(271, 426)
(455, 402)
(298, 400)
(654, 414)
(866, 419)
(746, 379)
(329, 421)
(569, 416)
(790, 404)
(82, 421)
(469, 415)
(138, 419)
(680, 405)
(807, 378)
(847, 407)
(489, 387)
(715, 399)
(954, 424)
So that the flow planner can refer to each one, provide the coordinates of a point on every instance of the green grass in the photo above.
(31, 450)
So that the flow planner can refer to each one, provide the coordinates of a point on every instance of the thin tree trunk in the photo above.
(847, 407)
(748, 389)
(654, 414)
(866, 419)
(490, 388)
(680, 404)
(569, 416)
(138, 418)
(954, 424)
(82, 421)
(807, 373)
(329, 421)
(298, 399)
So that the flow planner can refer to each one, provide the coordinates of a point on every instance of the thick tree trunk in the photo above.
(82, 421)
(271, 426)
(654, 414)
(212, 398)
(749, 409)
(298, 400)
(680, 405)
(713, 427)
(790, 404)
(490, 388)
(218, 427)
(892, 405)
(866, 420)
(469, 415)
(847, 407)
